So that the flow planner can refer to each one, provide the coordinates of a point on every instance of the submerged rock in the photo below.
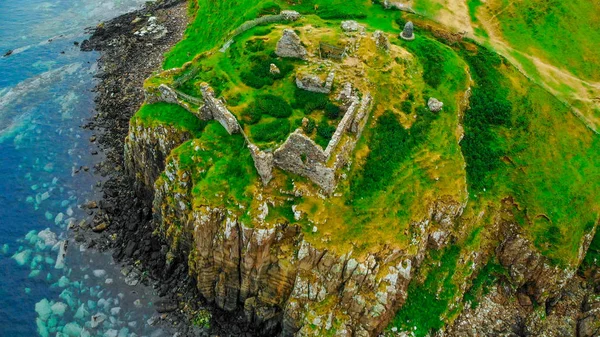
(97, 319)
(59, 308)
(23, 257)
(44, 309)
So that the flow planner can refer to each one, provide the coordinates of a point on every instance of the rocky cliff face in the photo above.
(147, 148)
(283, 282)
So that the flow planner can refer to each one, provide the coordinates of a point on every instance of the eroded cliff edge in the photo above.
(287, 276)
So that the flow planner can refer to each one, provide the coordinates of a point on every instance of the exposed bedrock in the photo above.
(146, 149)
(282, 282)
(288, 284)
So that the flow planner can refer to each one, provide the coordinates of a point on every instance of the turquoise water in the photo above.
(45, 96)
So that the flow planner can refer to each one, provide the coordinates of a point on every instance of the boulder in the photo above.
(290, 46)
(434, 105)
(314, 83)
(273, 69)
(350, 26)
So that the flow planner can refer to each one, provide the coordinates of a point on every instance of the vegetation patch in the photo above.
(429, 299)
(390, 145)
(592, 258)
(489, 108)
(259, 74)
(273, 131)
(484, 281)
(309, 101)
(172, 115)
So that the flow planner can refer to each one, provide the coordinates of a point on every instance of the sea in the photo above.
(50, 286)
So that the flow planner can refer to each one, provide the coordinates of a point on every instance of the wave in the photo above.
(17, 103)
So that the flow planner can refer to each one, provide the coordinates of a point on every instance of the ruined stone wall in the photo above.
(263, 161)
(301, 155)
(343, 125)
(219, 112)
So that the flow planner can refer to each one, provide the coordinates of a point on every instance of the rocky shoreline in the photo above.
(131, 48)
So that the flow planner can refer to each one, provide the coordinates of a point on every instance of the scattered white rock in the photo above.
(434, 105)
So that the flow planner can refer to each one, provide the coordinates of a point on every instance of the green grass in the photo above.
(521, 141)
(565, 33)
(274, 131)
(428, 8)
(489, 108)
(213, 159)
(486, 278)
(592, 258)
(428, 300)
(473, 6)
(332, 9)
(212, 23)
(391, 144)
(172, 115)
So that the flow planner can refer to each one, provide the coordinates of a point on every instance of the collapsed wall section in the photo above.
(218, 111)
(301, 155)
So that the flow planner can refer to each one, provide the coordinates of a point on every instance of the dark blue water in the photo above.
(45, 97)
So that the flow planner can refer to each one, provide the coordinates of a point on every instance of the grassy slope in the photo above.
(212, 23)
(170, 114)
(566, 33)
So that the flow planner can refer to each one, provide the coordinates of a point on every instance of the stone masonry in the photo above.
(301, 155)
(298, 154)
(219, 111)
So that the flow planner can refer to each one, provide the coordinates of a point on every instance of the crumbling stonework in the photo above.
(167, 94)
(381, 40)
(290, 46)
(219, 111)
(263, 161)
(343, 126)
(345, 93)
(301, 155)
(360, 121)
(351, 26)
(290, 15)
(312, 82)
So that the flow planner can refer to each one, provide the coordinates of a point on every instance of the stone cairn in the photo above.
(407, 33)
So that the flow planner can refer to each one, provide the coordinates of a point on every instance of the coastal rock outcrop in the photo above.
(279, 278)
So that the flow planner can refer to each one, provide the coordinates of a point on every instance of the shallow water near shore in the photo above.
(46, 172)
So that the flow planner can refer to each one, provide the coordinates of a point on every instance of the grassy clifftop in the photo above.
(506, 132)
